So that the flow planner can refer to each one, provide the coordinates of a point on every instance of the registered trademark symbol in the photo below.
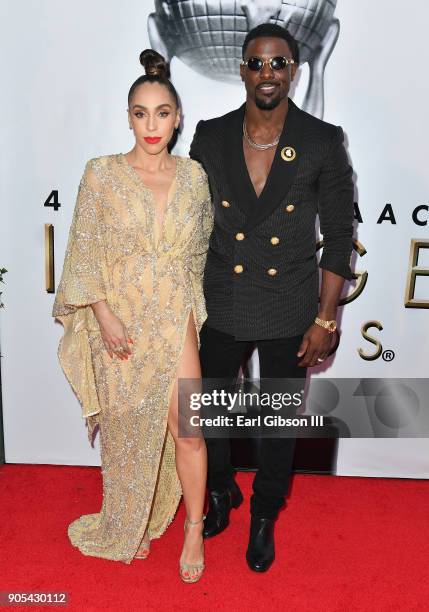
(388, 355)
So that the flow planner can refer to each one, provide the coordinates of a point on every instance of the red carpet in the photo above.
(341, 544)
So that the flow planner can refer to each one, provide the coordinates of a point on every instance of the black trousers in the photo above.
(221, 357)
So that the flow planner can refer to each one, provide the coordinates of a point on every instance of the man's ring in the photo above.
(320, 360)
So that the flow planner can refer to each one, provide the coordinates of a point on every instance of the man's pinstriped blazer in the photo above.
(261, 278)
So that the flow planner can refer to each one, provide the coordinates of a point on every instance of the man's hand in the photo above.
(315, 346)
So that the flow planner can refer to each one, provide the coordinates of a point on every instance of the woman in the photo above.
(131, 302)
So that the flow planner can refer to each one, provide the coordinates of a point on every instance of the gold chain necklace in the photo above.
(256, 145)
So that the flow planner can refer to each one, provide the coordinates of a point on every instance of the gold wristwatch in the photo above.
(331, 326)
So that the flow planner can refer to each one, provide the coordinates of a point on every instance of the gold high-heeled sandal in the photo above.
(144, 549)
(191, 572)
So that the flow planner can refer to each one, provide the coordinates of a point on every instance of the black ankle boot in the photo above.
(220, 504)
(260, 552)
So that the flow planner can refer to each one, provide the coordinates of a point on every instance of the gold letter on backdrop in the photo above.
(377, 343)
(413, 271)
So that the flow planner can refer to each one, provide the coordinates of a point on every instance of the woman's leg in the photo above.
(191, 454)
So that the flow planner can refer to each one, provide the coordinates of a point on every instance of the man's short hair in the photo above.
(272, 30)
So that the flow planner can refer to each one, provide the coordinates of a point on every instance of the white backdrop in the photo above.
(66, 69)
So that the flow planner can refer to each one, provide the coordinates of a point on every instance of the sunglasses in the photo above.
(276, 63)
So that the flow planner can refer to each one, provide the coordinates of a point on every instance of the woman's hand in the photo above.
(113, 332)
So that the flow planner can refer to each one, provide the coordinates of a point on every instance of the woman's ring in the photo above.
(119, 348)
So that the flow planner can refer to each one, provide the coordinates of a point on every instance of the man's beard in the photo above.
(267, 103)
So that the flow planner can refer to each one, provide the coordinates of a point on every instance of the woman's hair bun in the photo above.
(154, 64)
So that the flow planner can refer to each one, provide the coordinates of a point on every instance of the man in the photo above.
(272, 168)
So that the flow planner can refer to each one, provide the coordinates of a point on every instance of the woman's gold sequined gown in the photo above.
(151, 277)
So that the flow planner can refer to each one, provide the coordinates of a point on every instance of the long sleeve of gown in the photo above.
(198, 254)
(83, 282)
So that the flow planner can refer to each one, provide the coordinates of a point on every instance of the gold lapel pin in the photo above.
(288, 154)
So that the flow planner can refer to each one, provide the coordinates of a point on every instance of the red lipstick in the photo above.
(152, 139)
